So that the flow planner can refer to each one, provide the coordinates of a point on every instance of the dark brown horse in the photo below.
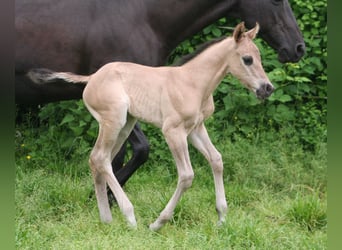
(82, 35)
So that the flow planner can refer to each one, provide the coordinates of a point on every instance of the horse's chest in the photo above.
(208, 107)
(193, 114)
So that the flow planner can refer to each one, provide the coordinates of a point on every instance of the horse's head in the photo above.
(246, 62)
(278, 26)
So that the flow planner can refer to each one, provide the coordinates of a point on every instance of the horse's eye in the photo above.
(247, 60)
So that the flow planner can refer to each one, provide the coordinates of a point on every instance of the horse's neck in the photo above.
(209, 68)
(175, 21)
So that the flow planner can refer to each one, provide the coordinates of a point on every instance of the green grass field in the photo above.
(276, 193)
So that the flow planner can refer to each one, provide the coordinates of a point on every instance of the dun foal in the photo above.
(175, 99)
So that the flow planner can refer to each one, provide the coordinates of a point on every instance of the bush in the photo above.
(64, 130)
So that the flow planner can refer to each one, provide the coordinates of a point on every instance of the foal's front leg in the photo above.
(200, 139)
(177, 141)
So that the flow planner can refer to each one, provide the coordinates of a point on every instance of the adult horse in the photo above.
(81, 36)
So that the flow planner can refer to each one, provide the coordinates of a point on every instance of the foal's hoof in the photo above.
(106, 219)
(132, 222)
(220, 222)
(132, 226)
(155, 226)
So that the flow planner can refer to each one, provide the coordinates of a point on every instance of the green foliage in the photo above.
(65, 129)
(72, 115)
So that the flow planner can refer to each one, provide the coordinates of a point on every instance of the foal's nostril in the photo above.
(264, 91)
(300, 49)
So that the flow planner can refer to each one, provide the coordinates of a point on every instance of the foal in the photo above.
(175, 99)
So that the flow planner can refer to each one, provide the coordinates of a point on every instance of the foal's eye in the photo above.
(247, 60)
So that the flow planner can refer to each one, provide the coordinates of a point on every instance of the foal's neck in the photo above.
(209, 68)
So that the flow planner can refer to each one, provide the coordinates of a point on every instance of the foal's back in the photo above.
(140, 88)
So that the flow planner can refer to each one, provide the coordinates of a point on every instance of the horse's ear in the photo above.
(239, 31)
(253, 32)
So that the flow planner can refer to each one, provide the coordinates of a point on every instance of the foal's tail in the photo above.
(42, 76)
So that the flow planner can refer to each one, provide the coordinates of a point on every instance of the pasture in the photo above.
(276, 194)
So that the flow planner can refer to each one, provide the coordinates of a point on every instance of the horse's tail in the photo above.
(42, 76)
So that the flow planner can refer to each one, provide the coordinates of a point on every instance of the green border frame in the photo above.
(334, 125)
(7, 232)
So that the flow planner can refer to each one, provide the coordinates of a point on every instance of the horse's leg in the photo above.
(117, 164)
(97, 164)
(110, 139)
(125, 131)
(200, 139)
(140, 148)
(118, 161)
(123, 135)
(177, 141)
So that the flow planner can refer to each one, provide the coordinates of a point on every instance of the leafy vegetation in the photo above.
(274, 153)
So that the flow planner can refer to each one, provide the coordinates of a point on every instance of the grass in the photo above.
(275, 190)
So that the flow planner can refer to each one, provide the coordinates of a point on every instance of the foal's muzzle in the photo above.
(265, 90)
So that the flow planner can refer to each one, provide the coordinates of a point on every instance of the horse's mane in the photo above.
(186, 58)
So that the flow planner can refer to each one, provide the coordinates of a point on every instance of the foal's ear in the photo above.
(239, 31)
(253, 32)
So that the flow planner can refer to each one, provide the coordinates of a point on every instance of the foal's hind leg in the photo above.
(97, 162)
(200, 139)
(117, 164)
(177, 141)
(109, 141)
(126, 207)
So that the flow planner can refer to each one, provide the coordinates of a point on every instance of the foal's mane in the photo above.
(186, 58)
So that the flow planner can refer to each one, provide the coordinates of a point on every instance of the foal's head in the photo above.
(247, 65)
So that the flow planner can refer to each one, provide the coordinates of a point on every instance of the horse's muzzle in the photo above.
(264, 91)
(292, 55)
